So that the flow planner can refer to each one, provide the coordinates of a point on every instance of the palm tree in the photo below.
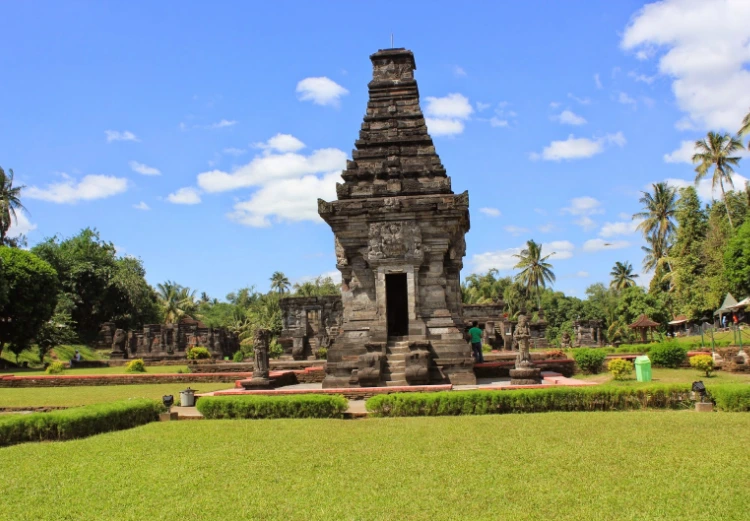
(656, 252)
(10, 202)
(536, 272)
(279, 282)
(622, 276)
(716, 151)
(176, 301)
(658, 213)
(745, 129)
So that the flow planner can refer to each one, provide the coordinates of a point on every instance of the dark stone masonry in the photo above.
(399, 241)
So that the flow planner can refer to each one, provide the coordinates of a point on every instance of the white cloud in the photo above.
(483, 106)
(582, 101)
(497, 122)
(234, 151)
(187, 195)
(221, 124)
(562, 249)
(577, 148)
(593, 245)
(492, 212)
(115, 135)
(704, 188)
(515, 230)
(568, 117)
(642, 77)
(585, 205)
(705, 52)
(684, 154)
(141, 206)
(20, 225)
(619, 228)
(282, 143)
(554, 104)
(89, 188)
(586, 222)
(625, 99)
(445, 115)
(143, 169)
(597, 81)
(499, 260)
(287, 200)
(459, 71)
(271, 166)
(581, 274)
(321, 91)
(546, 228)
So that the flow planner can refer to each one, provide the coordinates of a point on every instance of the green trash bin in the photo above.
(642, 369)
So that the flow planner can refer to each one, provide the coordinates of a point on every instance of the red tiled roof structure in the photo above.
(644, 324)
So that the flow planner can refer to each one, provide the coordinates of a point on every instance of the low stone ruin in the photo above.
(309, 323)
(166, 341)
(588, 333)
(498, 328)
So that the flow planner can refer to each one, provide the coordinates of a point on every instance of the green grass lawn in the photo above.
(671, 376)
(86, 395)
(153, 369)
(562, 466)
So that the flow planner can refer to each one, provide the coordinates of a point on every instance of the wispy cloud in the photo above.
(187, 195)
(142, 169)
(321, 91)
(70, 191)
(577, 148)
(116, 135)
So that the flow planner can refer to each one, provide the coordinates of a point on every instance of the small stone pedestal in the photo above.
(254, 384)
(704, 407)
(526, 376)
(168, 416)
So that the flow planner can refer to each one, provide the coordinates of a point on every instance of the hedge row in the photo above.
(261, 407)
(78, 422)
(599, 398)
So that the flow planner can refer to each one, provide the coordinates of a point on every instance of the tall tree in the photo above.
(657, 216)
(536, 272)
(716, 151)
(10, 203)
(280, 283)
(656, 252)
(745, 128)
(176, 302)
(622, 276)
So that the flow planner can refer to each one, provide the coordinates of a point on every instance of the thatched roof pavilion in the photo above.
(644, 325)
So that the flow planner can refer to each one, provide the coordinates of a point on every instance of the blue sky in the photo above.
(198, 137)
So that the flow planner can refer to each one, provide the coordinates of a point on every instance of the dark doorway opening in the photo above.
(397, 305)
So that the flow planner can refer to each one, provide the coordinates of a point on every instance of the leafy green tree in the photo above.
(319, 287)
(98, 286)
(10, 203)
(717, 151)
(622, 276)
(536, 272)
(737, 260)
(32, 297)
(58, 330)
(280, 283)
(634, 301)
(484, 289)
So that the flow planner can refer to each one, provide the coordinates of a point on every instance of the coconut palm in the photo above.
(279, 282)
(10, 202)
(622, 276)
(536, 272)
(656, 252)
(745, 129)
(716, 151)
(176, 301)
(659, 209)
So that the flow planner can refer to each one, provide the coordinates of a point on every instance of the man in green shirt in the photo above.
(476, 342)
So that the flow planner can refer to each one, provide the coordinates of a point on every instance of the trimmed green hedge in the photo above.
(77, 422)
(260, 407)
(599, 398)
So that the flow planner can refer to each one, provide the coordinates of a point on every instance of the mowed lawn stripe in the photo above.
(563, 466)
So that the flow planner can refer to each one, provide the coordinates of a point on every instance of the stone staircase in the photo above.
(394, 372)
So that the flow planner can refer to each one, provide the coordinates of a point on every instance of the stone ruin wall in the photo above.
(498, 328)
(308, 324)
(167, 341)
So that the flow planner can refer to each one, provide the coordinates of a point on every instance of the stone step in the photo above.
(399, 351)
(396, 383)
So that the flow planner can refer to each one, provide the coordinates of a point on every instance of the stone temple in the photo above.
(399, 239)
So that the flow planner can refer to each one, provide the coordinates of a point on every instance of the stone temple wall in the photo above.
(309, 323)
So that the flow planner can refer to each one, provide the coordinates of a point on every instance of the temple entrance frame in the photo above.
(397, 306)
(415, 326)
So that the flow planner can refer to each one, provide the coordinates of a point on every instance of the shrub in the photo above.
(136, 366)
(703, 363)
(55, 368)
(667, 355)
(620, 368)
(275, 350)
(599, 398)
(238, 357)
(589, 360)
(731, 397)
(257, 407)
(486, 348)
(78, 422)
(198, 353)
(321, 353)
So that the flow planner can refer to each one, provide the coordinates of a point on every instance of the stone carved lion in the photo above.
(118, 341)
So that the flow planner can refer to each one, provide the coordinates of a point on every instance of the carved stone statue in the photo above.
(418, 367)
(119, 340)
(565, 340)
(524, 373)
(261, 365)
(341, 259)
(370, 365)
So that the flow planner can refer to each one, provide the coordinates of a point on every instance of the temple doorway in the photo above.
(397, 304)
